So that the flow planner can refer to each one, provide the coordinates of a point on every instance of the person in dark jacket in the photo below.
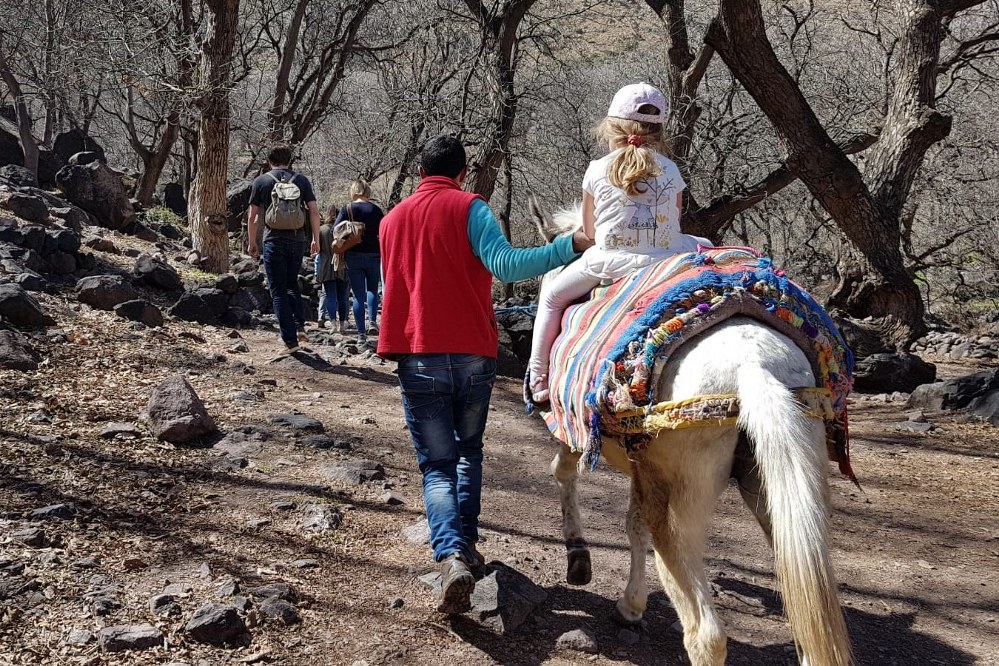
(364, 265)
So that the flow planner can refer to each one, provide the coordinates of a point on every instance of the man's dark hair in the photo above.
(280, 155)
(443, 156)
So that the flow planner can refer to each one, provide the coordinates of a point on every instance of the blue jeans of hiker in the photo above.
(446, 401)
(282, 261)
(335, 299)
(364, 270)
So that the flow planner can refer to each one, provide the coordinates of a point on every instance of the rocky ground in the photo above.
(311, 527)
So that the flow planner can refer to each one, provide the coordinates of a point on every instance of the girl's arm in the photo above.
(589, 216)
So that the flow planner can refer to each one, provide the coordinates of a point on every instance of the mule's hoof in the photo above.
(580, 571)
(627, 620)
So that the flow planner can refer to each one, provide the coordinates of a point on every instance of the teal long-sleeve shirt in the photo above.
(508, 263)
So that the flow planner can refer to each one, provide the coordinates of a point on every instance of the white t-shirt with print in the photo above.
(634, 231)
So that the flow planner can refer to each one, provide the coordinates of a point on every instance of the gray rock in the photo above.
(320, 518)
(26, 207)
(228, 588)
(71, 217)
(203, 305)
(885, 373)
(299, 423)
(30, 536)
(227, 284)
(129, 637)
(278, 590)
(986, 407)
(156, 273)
(247, 440)
(418, 534)
(98, 190)
(215, 624)
(354, 472)
(15, 353)
(305, 564)
(393, 499)
(955, 393)
(176, 414)
(502, 600)
(164, 604)
(19, 308)
(279, 610)
(112, 430)
(73, 141)
(105, 291)
(254, 298)
(102, 245)
(61, 511)
(323, 442)
(79, 637)
(580, 640)
(140, 310)
(31, 281)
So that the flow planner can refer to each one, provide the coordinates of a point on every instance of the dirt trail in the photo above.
(916, 551)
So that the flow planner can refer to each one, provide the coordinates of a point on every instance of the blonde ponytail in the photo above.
(641, 143)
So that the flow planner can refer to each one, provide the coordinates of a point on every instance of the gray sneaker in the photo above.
(457, 583)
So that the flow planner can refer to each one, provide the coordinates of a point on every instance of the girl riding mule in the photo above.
(754, 388)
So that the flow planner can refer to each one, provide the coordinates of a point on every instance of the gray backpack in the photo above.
(285, 212)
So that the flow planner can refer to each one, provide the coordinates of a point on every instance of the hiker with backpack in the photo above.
(363, 256)
(284, 200)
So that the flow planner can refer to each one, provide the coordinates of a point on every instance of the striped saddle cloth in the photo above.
(606, 363)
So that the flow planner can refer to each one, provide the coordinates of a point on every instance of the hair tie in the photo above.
(636, 140)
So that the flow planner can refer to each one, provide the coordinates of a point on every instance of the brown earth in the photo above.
(916, 550)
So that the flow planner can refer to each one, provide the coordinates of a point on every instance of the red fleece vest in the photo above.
(438, 294)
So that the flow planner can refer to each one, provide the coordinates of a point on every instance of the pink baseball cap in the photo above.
(629, 99)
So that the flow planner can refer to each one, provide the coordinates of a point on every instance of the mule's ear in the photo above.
(542, 220)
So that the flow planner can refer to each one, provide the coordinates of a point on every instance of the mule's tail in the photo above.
(791, 454)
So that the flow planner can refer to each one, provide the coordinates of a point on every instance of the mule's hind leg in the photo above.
(746, 473)
(677, 501)
(631, 605)
(564, 468)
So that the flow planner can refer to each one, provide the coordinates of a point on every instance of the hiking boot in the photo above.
(362, 340)
(373, 330)
(343, 326)
(290, 347)
(457, 583)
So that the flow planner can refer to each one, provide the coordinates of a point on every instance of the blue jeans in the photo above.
(335, 299)
(364, 273)
(282, 261)
(446, 401)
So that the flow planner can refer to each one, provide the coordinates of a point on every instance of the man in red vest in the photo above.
(440, 249)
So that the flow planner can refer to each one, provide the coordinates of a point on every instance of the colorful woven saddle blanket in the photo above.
(613, 347)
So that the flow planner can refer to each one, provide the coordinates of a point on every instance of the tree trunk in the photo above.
(499, 31)
(412, 151)
(884, 289)
(154, 161)
(209, 212)
(28, 144)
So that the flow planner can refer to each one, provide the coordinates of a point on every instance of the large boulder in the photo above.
(25, 206)
(18, 307)
(75, 141)
(141, 311)
(204, 305)
(176, 414)
(955, 393)
(986, 407)
(238, 198)
(172, 196)
(887, 373)
(100, 191)
(105, 291)
(15, 353)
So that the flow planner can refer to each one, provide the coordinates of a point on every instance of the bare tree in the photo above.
(29, 146)
(208, 206)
